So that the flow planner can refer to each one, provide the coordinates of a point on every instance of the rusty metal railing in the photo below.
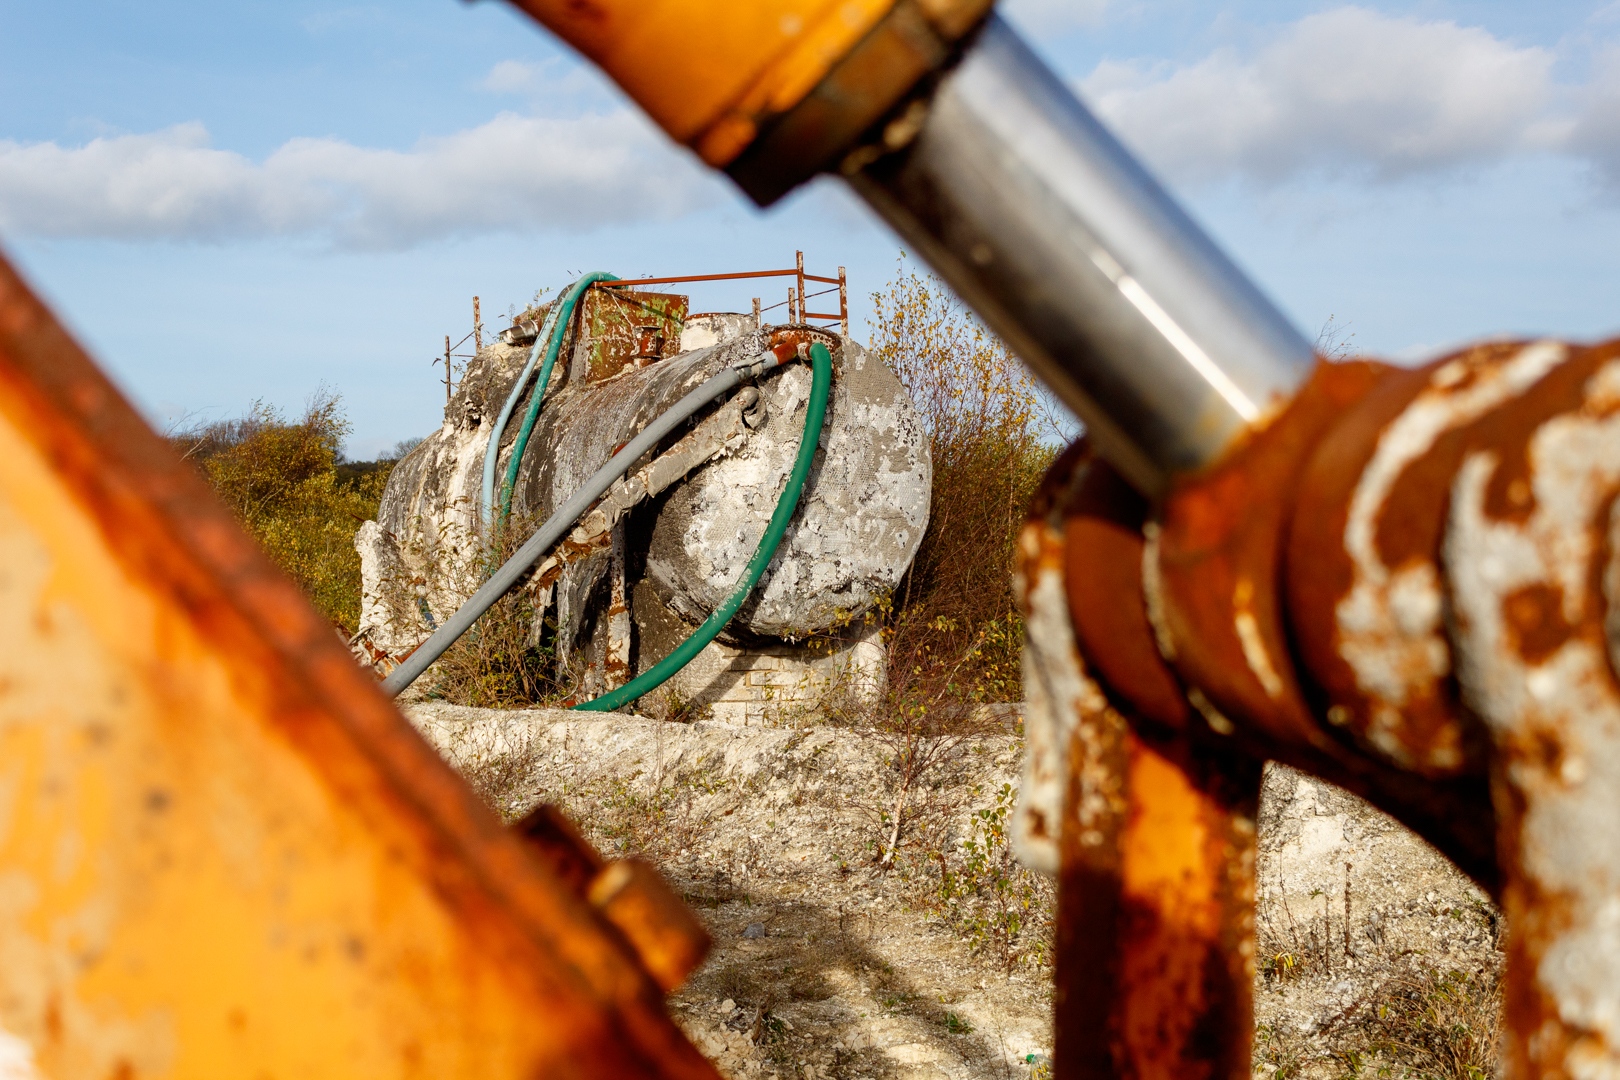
(797, 296)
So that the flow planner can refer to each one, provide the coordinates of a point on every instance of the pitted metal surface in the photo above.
(1389, 624)
(1407, 584)
(1528, 554)
(862, 517)
(1152, 837)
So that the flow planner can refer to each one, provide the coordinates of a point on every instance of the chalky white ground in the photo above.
(842, 973)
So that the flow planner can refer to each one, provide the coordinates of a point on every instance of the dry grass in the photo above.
(1421, 1023)
(1432, 1024)
(504, 781)
(992, 433)
(507, 659)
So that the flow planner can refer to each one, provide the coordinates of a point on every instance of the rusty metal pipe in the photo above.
(1068, 248)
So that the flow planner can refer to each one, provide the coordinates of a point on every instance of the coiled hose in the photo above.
(549, 340)
(512, 571)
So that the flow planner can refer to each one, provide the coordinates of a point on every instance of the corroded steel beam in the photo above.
(1406, 583)
(222, 851)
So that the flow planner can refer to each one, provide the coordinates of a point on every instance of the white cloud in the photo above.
(1595, 133)
(514, 77)
(1345, 91)
(555, 84)
(1054, 16)
(512, 173)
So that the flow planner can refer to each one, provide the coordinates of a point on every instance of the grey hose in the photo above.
(492, 453)
(563, 519)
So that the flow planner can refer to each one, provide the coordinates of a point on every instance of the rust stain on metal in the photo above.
(1216, 555)
(1215, 570)
(1365, 547)
(275, 874)
(1406, 583)
(1103, 578)
(1155, 835)
(1185, 950)
(1057, 690)
(619, 328)
(666, 936)
(1531, 575)
(616, 662)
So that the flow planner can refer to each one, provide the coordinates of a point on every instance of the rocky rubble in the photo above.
(1363, 933)
(828, 963)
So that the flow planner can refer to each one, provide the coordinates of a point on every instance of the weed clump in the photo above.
(1434, 1024)
(507, 659)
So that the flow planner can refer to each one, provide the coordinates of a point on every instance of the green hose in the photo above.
(786, 506)
(559, 330)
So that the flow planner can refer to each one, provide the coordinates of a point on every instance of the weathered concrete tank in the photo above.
(621, 608)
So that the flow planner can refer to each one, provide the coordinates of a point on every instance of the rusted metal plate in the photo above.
(1461, 522)
(222, 851)
(667, 936)
(618, 328)
(1212, 587)
(1104, 545)
(1364, 582)
(1529, 556)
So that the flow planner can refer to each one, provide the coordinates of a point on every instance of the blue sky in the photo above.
(248, 200)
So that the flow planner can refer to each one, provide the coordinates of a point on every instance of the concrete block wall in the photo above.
(757, 686)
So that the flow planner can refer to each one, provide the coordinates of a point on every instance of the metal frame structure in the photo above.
(796, 296)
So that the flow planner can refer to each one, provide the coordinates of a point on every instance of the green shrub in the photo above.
(281, 478)
(954, 631)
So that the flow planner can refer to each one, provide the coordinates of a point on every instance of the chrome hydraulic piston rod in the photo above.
(1057, 237)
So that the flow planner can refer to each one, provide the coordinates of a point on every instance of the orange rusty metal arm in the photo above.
(1218, 600)
(1466, 620)
(225, 853)
(667, 937)
(773, 91)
